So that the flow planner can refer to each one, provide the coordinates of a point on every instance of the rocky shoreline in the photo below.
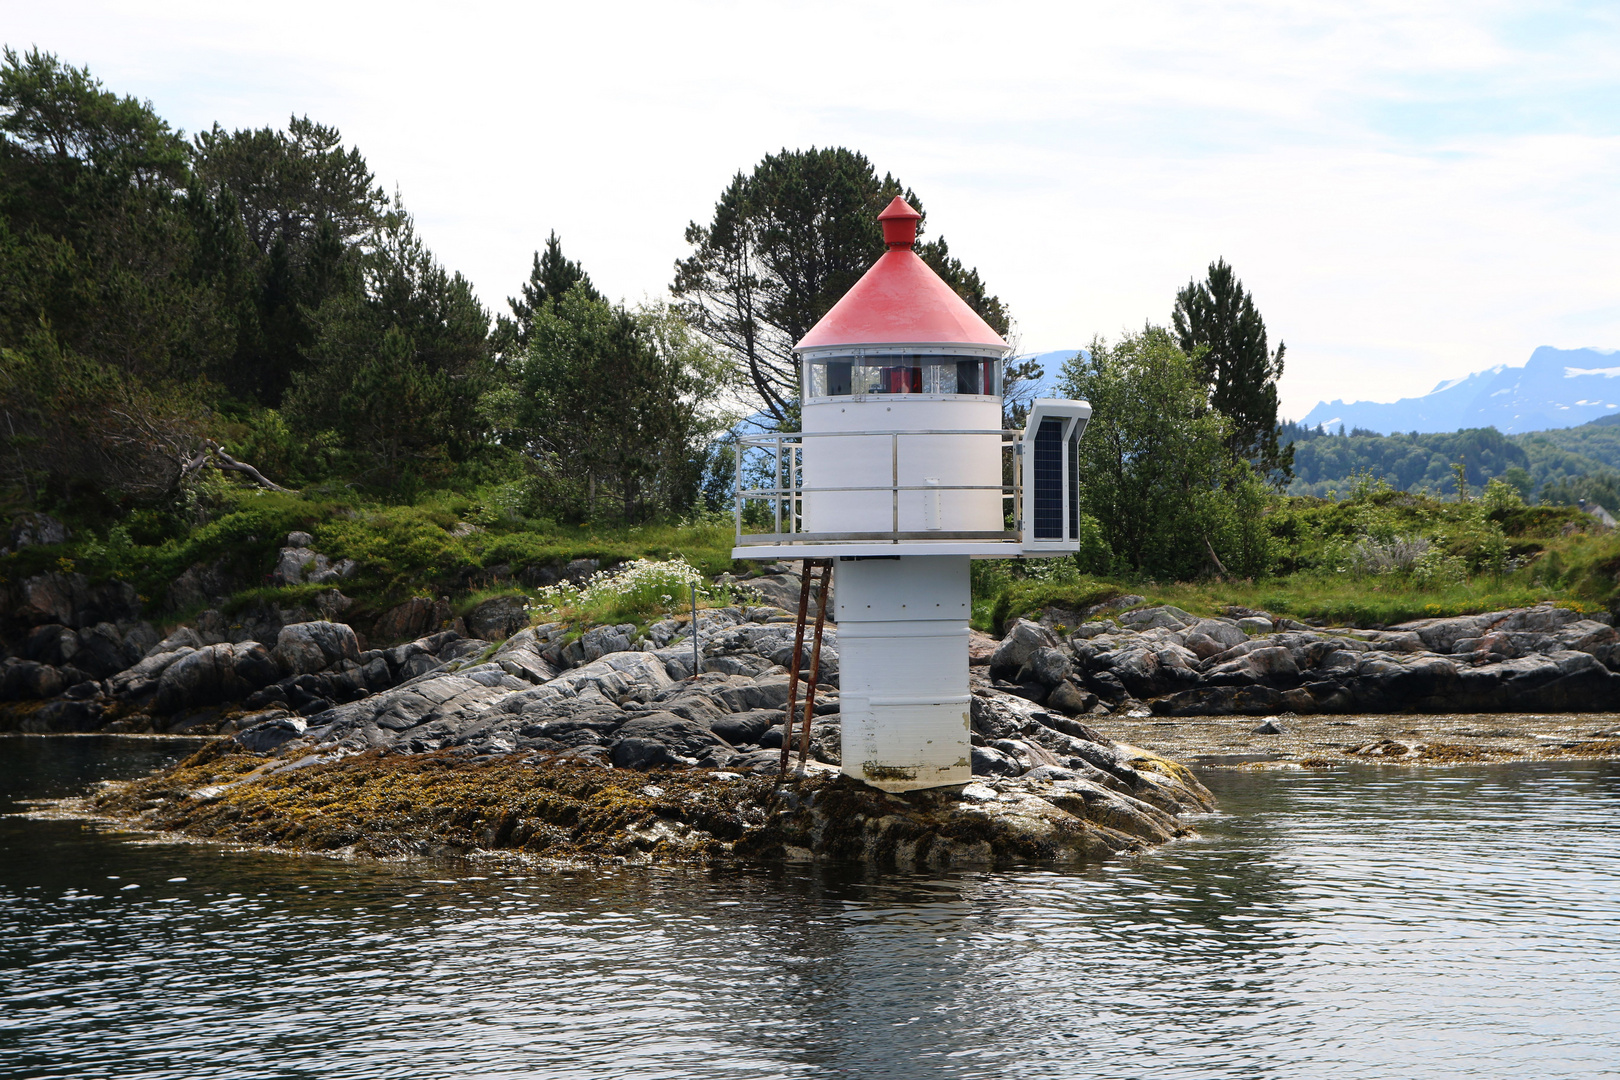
(631, 753)
(560, 808)
(1541, 659)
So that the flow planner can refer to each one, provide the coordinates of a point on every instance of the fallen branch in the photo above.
(1216, 559)
(226, 463)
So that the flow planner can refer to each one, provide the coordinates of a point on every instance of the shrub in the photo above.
(1396, 555)
(636, 592)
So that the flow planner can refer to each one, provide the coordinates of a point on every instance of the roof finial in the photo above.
(899, 224)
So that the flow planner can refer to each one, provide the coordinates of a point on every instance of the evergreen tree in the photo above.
(98, 238)
(785, 243)
(394, 377)
(551, 275)
(614, 405)
(307, 207)
(1216, 321)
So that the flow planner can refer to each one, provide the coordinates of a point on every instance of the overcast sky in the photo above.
(1411, 191)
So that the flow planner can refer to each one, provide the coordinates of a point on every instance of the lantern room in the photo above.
(903, 448)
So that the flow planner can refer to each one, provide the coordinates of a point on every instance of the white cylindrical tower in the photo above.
(900, 478)
(902, 398)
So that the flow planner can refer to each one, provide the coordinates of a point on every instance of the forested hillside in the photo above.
(1557, 467)
(251, 304)
(210, 344)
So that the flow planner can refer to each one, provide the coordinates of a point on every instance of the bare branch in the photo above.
(226, 463)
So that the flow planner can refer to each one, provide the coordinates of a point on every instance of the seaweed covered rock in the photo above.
(570, 804)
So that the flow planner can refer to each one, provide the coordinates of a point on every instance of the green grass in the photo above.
(429, 548)
(1364, 602)
(448, 543)
(1345, 602)
(1027, 596)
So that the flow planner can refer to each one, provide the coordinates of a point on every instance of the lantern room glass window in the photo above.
(903, 373)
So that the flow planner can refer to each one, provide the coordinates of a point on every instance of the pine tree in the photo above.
(551, 275)
(786, 242)
(1216, 321)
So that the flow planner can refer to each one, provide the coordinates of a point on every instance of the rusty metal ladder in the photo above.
(809, 712)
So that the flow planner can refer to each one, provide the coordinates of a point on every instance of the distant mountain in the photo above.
(1557, 388)
(1051, 368)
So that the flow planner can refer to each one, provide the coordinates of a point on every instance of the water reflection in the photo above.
(1372, 924)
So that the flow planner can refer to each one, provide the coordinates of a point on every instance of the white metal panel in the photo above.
(903, 693)
(911, 460)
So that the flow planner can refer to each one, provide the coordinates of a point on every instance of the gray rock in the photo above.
(100, 651)
(1270, 727)
(414, 618)
(579, 571)
(1106, 685)
(308, 647)
(782, 591)
(1048, 773)
(66, 714)
(296, 564)
(499, 618)
(28, 530)
(1049, 667)
(201, 585)
(1070, 699)
(1273, 666)
(29, 680)
(1201, 645)
(683, 737)
(765, 692)
(988, 761)
(740, 729)
(639, 753)
(599, 641)
(70, 600)
(299, 539)
(1220, 701)
(268, 735)
(1255, 624)
(141, 679)
(183, 638)
(214, 674)
(1225, 631)
(52, 644)
(1148, 671)
(1018, 648)
(826, 741)
(520, 657)
(1163, 616)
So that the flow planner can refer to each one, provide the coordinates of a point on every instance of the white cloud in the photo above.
(1412, 191)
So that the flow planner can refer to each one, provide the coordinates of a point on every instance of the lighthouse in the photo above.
(903, 473)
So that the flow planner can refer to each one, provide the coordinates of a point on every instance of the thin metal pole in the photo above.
(1018, 491)
(793, 669)
(738, 501)
(777, 498)
(894, 455)
(815, 657)
(697, 656)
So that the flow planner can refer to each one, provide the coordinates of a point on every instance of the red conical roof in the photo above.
(900, 301)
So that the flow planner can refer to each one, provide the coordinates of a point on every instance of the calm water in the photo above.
(1396, 923)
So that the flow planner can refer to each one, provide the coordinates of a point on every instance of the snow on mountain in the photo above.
(1051, 368)
(1556, 388)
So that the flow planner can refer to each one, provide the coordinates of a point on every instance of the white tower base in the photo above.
(903, 670)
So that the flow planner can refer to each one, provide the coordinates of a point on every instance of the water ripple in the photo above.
(1360, 923)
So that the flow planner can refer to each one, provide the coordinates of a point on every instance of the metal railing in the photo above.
(779, 456)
